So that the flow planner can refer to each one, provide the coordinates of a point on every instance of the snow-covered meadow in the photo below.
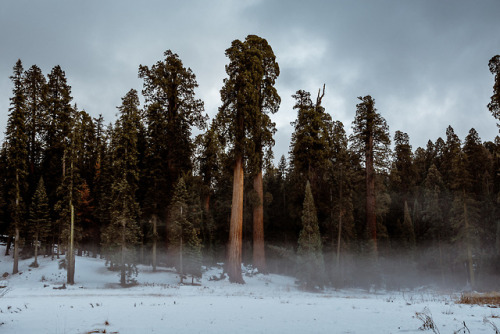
(30, 303)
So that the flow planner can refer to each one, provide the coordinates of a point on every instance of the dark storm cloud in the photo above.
(425, 62)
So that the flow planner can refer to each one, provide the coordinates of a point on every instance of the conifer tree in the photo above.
(309, 147)
(262, 135)
(171, 111)
(247, 96)
(341, 176)
(464, 213)
(184, 235)
(35, 86)
(494, 105)
(310, 256)
(370, 139)
(123, 231)
(39, 218)
(17, 156)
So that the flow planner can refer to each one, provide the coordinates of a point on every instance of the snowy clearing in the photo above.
(29, 303)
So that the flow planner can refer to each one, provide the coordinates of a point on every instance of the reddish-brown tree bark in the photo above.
(236, 225)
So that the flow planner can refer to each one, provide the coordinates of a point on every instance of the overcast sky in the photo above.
(425, 62)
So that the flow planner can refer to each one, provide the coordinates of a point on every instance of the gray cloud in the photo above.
(425, 62)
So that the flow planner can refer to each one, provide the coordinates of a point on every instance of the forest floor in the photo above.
(31, 302)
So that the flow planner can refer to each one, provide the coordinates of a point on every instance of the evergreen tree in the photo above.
(262, 132)
(35, 86)
(370, 140)
(184, 235)
(17, 156)
(341, 188)
(494, 105)
(123, 231)
(39, 218)
(247, 96)
(310, 256)
(171, 111)
(464, 213)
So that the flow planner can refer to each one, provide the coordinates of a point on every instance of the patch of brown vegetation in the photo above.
(491, 299)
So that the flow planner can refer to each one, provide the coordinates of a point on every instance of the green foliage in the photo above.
(248, 96)
(370, 138)
(183, 233)
(494, 105)
(171, 110)
(17, 150)
(311, 269)
(39, 215)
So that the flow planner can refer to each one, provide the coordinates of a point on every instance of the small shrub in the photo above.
(490, 299)
(428, 323)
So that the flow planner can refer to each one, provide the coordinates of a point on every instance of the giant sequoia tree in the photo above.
(371, 140)
(248, 95)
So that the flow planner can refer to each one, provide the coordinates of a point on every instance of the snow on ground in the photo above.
(265, 304)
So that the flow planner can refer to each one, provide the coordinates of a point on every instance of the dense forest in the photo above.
(344, 211)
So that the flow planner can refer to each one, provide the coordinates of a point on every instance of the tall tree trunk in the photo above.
(339, 236)
(206, 202)
(371, 218)
(70, 256)
(35, 263)
(236, 225)
(155, 237)
(497, 243)
(469, 247)
(181, 263)
(9, 244)
(122, 255)
(15, 269)
(259, 255)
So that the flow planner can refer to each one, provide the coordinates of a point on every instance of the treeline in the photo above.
(345, 211)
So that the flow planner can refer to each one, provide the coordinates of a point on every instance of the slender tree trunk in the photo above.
(181, 264)
(441, 265)
(259, 255)
(70, 256)
(15, 269)
(497, 243)
(339, 236)
(206, 203)
(9, 244)
(236, 225)
(469, 248)
(371, 218)
(155, 236)
(35, 263)
(122, 255)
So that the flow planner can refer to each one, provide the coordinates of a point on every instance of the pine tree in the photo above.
(183, 233)
(310, 256)
(341, 188)
(370, 139)
(123, 231)
(464, 213)
(39, 218)
(171, 111)
(17, 156)
(35, 86)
